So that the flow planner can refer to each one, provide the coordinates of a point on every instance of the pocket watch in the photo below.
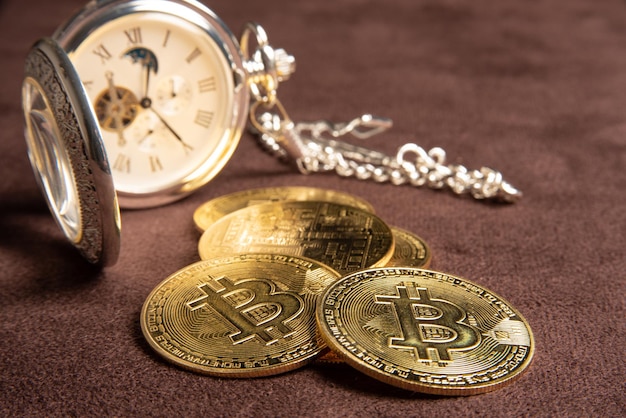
(166, 80)
(144, 101)
(159, 94)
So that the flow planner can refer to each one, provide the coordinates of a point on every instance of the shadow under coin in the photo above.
(341, 374)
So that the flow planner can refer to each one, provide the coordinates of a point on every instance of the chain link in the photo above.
(426, 168)
(313, 147)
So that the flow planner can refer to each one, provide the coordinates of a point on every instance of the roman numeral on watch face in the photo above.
(133, 35)
(103, 53)
(193, 55)
(122, 163)
(204, 118)
(155, 164)
(166, 38)
(207, 84)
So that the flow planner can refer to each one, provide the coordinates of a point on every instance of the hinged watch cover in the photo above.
(67, 154)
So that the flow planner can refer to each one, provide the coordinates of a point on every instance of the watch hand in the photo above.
(149, 63)
(173, 84)
(186, 146)
(146, 136)
(146, 81)
(117, 107)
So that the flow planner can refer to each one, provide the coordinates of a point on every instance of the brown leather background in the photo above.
(535, 89)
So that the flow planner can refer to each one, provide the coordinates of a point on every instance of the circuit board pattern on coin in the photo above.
(208, 213)
(425, 331)
(243, 316)
(342, 237)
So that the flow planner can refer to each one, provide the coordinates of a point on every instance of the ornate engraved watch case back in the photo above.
(67, 154)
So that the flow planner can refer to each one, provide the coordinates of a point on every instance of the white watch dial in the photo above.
(162, 91)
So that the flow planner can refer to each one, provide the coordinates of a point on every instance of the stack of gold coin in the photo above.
(210, 212)
(325, 220)
(288, 272)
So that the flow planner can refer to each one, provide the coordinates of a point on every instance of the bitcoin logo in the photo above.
(245, 315)
(431, 328)
(425, 330)
(253, 306)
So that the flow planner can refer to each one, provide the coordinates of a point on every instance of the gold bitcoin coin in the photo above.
(425, 331)
(242, 316)
(410, 250)
(342, 237)
(208, 213)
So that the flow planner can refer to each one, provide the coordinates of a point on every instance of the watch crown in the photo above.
(285, 64)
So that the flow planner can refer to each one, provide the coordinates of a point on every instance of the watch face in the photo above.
(165, 80)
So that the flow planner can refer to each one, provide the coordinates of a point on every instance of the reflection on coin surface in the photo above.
(242, 316)
(425, 331)
(410, 250)
(342, 237)
(214, 209)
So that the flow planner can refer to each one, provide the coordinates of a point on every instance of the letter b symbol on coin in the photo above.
(428, 325)
(253, 306)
